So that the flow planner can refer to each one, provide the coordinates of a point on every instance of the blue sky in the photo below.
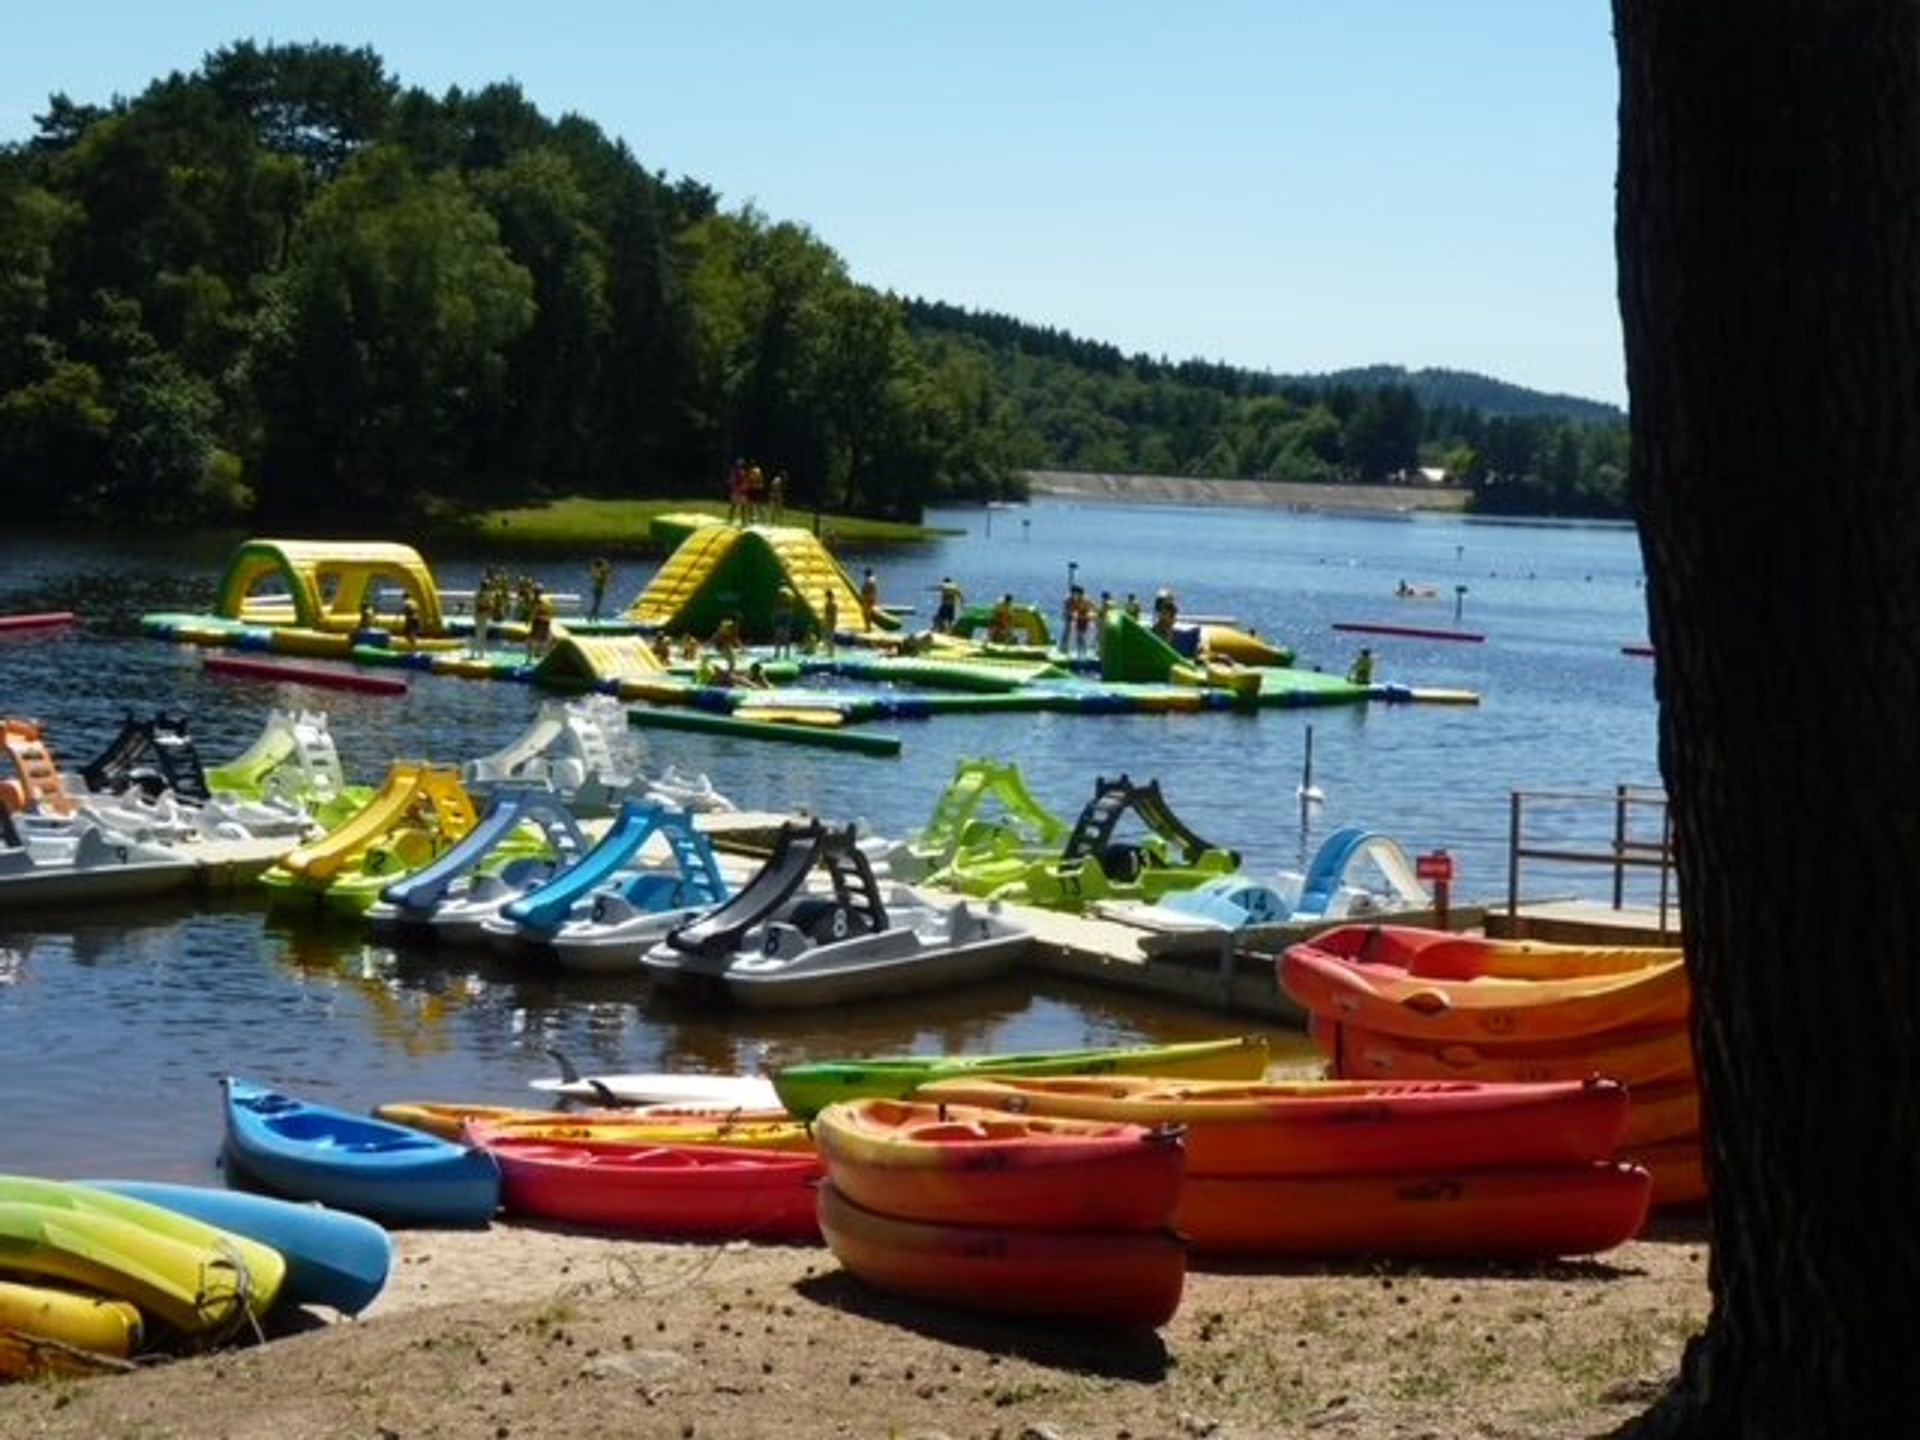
(1295, 185)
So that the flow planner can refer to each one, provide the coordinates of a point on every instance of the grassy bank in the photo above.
(585, 525)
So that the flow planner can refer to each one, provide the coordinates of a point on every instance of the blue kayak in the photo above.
(354, 1162)
(333, 1258)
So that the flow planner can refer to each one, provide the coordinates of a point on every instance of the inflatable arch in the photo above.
(321, 584)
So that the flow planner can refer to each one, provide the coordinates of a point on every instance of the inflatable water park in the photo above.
(747, 629)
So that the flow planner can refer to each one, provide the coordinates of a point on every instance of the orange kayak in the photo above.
(1678, 1168)
(1449, 955)
(960, 1165)
(1659, 1113)
(693, 1191)
(1394, 1000)
(1122, 1279)
(1439, 1214)
(1636, 1056)
(1321, 1127)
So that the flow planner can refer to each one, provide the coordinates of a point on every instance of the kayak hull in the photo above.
(1420, 1215)
(1117, 1280)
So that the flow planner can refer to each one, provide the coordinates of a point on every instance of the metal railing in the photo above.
(1628, 852)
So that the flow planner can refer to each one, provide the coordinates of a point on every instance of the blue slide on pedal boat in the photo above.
(452, 898)
(603, 912)
(353, 1162)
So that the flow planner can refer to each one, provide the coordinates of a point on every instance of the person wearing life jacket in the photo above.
(1361, 671)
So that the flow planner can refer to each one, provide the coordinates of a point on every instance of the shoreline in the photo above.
(1269, 494)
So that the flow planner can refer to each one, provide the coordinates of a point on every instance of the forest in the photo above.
(285, 288)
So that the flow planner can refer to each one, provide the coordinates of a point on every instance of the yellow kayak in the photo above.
(447, 1119)
(32, 1315)
(198, 1279)
(618, 1128)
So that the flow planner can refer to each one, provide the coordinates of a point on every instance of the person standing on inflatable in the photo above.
(869, 599)
(599, 573)
(829, 619)
(948, 609)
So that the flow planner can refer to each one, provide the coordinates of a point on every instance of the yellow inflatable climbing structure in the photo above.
(721, 571)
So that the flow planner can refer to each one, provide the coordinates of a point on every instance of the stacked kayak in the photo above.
(48, 1330)
(805, 1088)
(1053, 1219)
(1402, 1002)
(1416, 1171)
(355, 1162)
(92, 1273)
(89, 1277)
(333, 1258)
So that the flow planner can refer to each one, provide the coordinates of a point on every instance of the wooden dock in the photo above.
(1585, 922)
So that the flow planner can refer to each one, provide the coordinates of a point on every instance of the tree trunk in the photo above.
(1769, 250)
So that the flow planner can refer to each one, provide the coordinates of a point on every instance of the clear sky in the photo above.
(1288, 185)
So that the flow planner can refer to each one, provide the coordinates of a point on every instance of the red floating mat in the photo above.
(286, 674)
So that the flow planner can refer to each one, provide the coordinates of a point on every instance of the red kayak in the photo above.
(292, 674)
(702, 1192)
(1337, 1127)
(1437, 1214)
(44, 620)
(1117, 1279)
(961, 1165)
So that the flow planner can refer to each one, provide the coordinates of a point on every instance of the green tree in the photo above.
(386, 341)
(546, 423)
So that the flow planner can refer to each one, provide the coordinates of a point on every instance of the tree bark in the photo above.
(1769, 249)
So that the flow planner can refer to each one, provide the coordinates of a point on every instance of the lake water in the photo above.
(115, 1024)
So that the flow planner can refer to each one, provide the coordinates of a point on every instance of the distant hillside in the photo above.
(1463, 389)
(1066, 403)
(1435, 389)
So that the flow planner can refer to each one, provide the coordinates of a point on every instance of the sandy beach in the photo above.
(1183, 490)
(519, 1331)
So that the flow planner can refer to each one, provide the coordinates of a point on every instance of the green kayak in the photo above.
(805, 1088)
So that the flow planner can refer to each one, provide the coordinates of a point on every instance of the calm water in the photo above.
(114, 1025)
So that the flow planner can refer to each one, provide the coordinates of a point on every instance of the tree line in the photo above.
(1083, 405)
(286, 288)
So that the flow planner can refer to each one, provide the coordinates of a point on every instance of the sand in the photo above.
(530, 1332)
